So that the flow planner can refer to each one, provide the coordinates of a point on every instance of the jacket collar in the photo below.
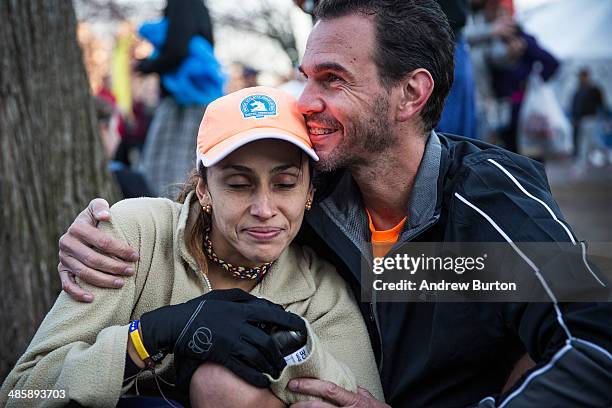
(289, 280)
(424, 198)
(343, 205)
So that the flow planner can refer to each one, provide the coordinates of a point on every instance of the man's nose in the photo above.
(309, 101)
(263, 206)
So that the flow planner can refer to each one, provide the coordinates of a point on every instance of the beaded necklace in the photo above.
(241, 272)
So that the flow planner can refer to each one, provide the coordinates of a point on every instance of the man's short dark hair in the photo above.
(410, 34)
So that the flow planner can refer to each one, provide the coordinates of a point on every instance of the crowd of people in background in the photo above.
(494, 59)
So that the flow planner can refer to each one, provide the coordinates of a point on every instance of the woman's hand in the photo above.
(221, 326)
(92, 255)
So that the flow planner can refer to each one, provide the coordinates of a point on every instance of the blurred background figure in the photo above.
(105, 91)
(249, 76)
(295, 83)
(588, 102)
(190, 78)
(107, 118)
(121, 67)
(486, 35)
(131, 183)
(505, 56)
(124, 131)
(459, 114)
(110, 117)
(132, 141)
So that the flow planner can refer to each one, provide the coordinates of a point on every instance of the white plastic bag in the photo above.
(543, 128)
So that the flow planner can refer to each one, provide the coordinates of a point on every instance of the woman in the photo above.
(240, 213)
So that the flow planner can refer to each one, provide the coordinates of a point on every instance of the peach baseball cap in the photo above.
(250, 114)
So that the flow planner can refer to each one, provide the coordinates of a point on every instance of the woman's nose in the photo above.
(263, 206)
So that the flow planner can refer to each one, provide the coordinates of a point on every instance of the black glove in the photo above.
(222, 326)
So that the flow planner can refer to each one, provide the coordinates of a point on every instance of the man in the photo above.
(459, 114)
(587, 102)
(377, 75)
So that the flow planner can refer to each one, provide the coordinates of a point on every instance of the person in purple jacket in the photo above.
(509, 81)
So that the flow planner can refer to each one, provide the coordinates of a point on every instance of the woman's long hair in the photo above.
(197, 221)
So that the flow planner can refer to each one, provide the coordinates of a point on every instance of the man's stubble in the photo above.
(364, 138)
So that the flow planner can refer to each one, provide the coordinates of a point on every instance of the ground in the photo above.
(585, 199)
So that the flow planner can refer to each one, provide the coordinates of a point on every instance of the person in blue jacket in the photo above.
(190, 78)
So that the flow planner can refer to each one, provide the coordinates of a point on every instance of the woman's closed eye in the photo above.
(238, 182)
(286, 181)
(286, 185)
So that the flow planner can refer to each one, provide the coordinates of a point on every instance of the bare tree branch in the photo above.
(104, 10)
(267, 21)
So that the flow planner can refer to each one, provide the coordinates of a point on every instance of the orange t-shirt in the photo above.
(382, 241)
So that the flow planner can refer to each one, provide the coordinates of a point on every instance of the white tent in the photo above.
(572, 29)
(579, 33)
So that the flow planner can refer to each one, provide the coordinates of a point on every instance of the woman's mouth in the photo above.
(263, 233)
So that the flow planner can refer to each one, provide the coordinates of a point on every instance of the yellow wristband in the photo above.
(137, 341)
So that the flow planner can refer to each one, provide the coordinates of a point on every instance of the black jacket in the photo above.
(458, 355)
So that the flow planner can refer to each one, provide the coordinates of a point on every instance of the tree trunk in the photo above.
(51, 160)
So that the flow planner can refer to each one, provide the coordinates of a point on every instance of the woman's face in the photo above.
(258, 194)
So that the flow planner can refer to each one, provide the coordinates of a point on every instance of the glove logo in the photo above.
(201, 340)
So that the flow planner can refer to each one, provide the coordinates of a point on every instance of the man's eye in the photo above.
(333, 78)
(239, 186)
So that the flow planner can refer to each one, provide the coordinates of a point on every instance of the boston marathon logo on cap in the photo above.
(258, 106)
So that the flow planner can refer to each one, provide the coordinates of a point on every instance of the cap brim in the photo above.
(231, 144)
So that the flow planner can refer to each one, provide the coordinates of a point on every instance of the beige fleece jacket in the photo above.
(81, 347)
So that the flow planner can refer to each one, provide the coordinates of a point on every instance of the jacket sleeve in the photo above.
(507, 198)
(80, 348)
(535, 53)
(340, 349)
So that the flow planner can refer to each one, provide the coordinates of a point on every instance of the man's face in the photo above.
(344, 103)
(583, 77)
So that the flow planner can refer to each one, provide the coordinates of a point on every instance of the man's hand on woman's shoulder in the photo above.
(332, 395)
(92, 255)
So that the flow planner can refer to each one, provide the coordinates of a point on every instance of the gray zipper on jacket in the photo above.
(345, 209)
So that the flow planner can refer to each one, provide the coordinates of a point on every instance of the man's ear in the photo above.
(202, 193)
(416, 88)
